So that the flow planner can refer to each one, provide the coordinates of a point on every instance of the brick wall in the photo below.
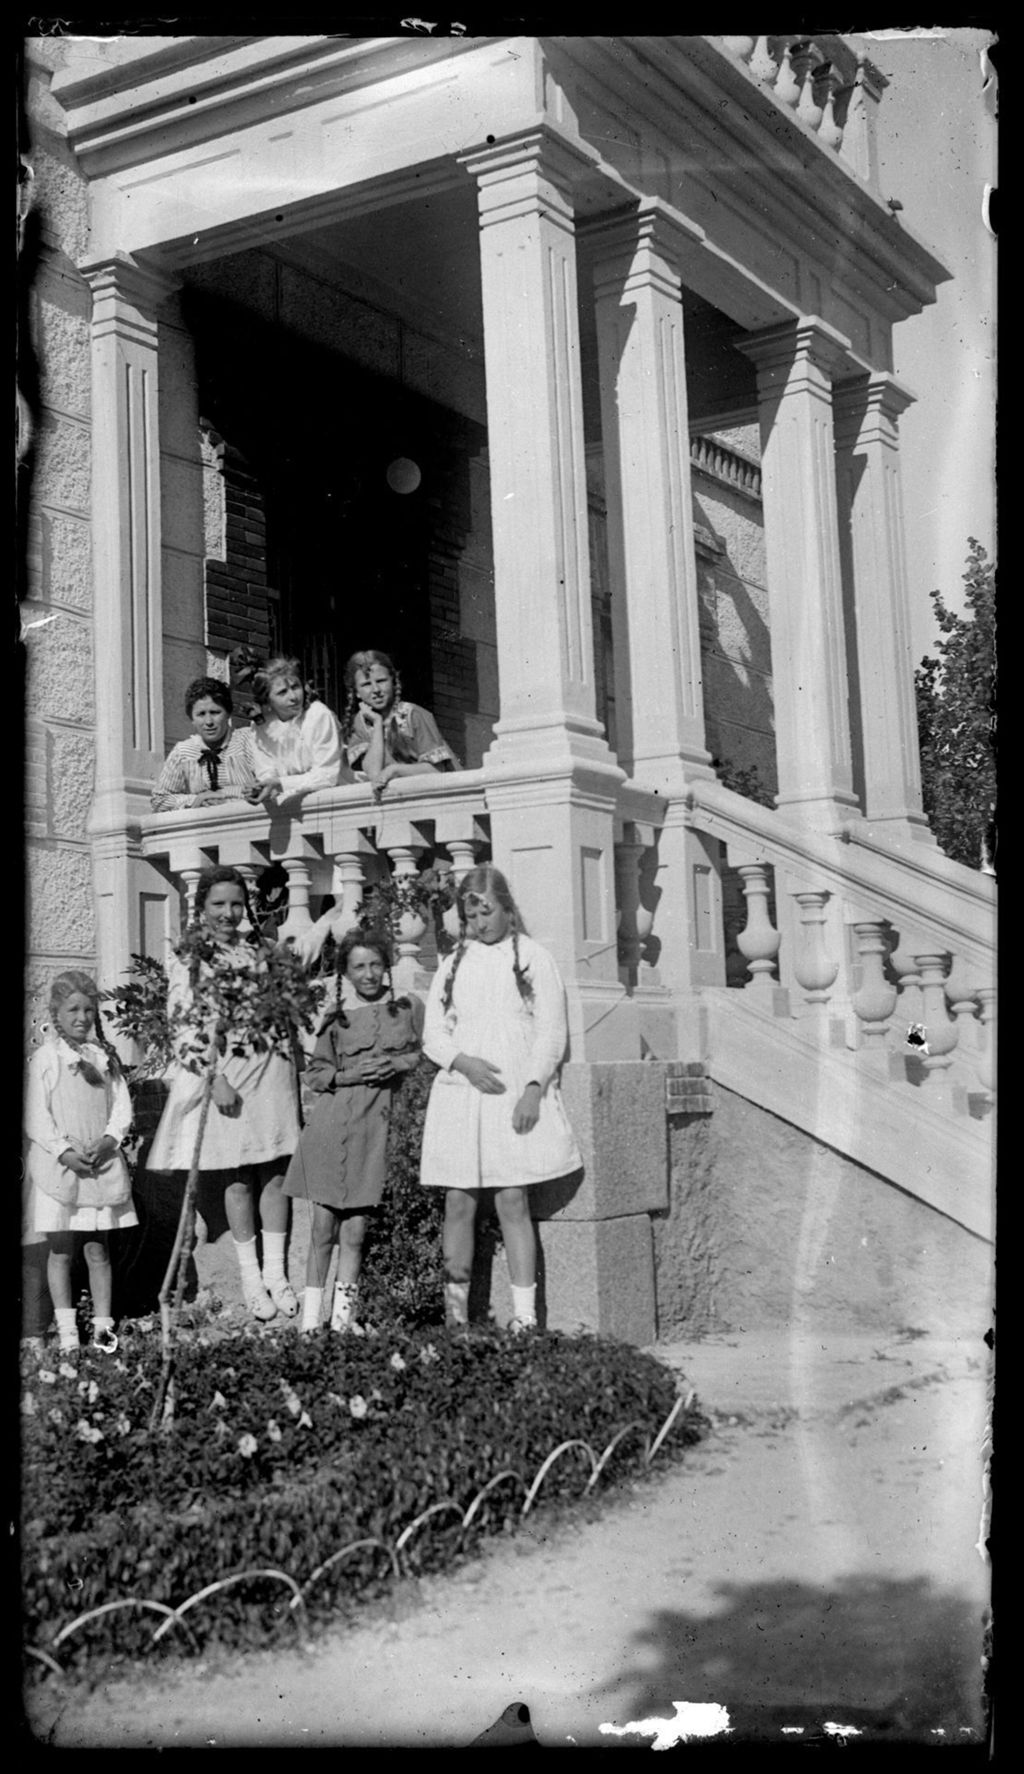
(239, 604)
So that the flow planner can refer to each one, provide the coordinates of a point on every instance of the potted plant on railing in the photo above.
(260, 1010)
(406, 904)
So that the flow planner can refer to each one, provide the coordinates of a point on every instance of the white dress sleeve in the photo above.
(40, 1126)
(438, 1044)
(120, 1118)
(321, 743)
(550, 1021)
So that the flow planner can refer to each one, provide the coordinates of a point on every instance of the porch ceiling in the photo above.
(421, 258)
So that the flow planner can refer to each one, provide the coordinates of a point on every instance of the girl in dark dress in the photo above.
(340, 1163)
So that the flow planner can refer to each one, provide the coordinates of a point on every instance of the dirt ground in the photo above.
(812, 1573)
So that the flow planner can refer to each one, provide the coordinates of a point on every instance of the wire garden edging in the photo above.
(175, 1617)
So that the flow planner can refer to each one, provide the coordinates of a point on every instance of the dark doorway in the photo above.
(347, 551)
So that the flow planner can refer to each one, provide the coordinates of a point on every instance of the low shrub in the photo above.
(285, 1451)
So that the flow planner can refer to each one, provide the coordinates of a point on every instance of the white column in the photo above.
(535, 445)
(659, 698)
(552, 781)
(867, 412)
(128, 613)
(795, 365)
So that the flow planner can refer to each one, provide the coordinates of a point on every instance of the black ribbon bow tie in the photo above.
(211, 762)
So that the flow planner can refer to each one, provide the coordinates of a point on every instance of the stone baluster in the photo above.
(190, 881)
(763, 65)
(758, 941)
(299, 917)
(787, 86)
(829, 131)
(962, 1001)
(910, 1007)
(464, 845)
(628, 856)
(805, 69)
(249, 873)
(940, 1028)
(741, 47)
(409, 926)
(985, 1061)
(348, 883)
(814, 969)
(875, 1000)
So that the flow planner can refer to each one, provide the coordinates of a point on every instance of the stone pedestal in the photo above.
(596, 1252)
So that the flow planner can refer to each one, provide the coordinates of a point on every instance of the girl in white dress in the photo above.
(297, 744)
(496, 1025)
(252, 1127)
(77, 1113)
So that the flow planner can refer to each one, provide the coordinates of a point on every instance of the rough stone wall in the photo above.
(57, 581)
(767, 1227)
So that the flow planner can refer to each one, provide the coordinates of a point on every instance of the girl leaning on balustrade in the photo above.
(217, 763)
(296, 737)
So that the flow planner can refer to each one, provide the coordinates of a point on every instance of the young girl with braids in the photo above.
(77, 1113)
(371, 1040)
(385, 736)
(252, 1127)
(496, 1025)
(296, 738)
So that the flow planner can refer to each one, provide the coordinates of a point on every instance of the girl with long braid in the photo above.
(496, 1025)
(386, 736)
(77, 1113)
(252, 1128)
(371, 1040)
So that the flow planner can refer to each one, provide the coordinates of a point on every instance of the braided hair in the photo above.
(487, 879)
(65, 986)
(357, 938)
(362, 662)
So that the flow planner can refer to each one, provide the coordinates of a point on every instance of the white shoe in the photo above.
(260, 1304)
(284, 1297)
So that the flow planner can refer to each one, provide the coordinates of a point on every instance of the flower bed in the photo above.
(301, 1475)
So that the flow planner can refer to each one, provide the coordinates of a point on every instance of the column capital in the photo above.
(868, 402)
(533, 168)
(652, 222)
(809, 340)
(118, 274)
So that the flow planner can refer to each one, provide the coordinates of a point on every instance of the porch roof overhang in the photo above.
(199, 147)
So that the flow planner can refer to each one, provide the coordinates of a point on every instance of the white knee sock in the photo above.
(102, 1324)
(249, 1264)
(312, 1306)
(343, 1312)
(273, 1257)
(524, 1303)
(67, 1326)
(456, 1302)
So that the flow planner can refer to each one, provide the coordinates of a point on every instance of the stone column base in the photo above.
(593, 1275)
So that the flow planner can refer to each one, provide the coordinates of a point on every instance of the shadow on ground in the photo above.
(898, 1661)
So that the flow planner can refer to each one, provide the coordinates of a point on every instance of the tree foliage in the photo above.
(956, 707)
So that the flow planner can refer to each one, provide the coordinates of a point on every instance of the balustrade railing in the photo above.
(823, 80)
(341, 842)
(890, 954)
